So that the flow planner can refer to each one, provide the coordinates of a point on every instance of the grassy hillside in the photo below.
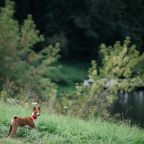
(53, 129)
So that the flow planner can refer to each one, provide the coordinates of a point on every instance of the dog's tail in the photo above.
(9, 131)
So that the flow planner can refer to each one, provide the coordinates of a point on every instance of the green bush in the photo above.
(49, 127)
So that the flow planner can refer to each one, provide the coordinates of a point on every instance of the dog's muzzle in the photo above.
(38, 114)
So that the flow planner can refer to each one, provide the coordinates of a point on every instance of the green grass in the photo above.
(53, 129)
(67, 73)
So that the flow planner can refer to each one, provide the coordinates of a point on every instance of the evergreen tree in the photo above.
(22, 69)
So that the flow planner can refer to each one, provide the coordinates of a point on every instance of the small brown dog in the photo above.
(26, 121)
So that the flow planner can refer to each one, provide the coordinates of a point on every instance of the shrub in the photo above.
(121, 71)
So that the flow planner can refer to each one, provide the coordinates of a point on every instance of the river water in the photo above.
(133, 105)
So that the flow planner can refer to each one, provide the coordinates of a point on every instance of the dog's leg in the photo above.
(32, 125)
(9, 131)
(14, 129)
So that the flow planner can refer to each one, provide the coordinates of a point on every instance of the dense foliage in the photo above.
(22, 69)
(83, 25)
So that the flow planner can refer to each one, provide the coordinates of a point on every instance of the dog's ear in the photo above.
(38, 108)
(34, 108)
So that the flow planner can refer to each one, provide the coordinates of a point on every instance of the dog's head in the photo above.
(36, 111)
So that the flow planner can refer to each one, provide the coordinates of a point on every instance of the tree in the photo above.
(21, 67)
(121, 61)
(85, 24)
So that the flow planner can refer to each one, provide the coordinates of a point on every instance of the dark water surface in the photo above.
(133, 105)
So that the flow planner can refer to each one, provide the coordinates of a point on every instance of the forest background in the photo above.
(46, 48)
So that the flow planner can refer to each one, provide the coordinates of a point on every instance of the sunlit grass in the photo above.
(53, 129)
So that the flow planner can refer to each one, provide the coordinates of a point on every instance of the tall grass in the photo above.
(53, 129)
